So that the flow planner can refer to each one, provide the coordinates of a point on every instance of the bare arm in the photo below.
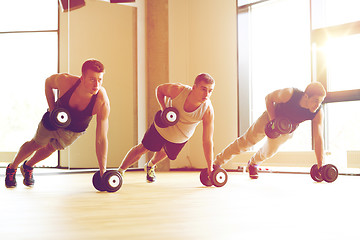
(51, 84)
(61, 82)
(208, 132)
(318, 137)
(102, 127)
(278, 96)
(170, 90)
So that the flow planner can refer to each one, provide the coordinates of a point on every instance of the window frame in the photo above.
(7, 155)
(318, 65)
(319, 70)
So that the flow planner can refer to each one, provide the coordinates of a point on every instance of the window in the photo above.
(279, 56)
(327, 13)
(342, 59)
(289, 43)
(336, 41)
(29, 54)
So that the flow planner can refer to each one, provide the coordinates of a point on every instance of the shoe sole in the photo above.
(148, 181)
(23, 173)
(28, 185)
(10, 186)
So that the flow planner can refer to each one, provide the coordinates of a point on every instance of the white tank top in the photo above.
(185, 127)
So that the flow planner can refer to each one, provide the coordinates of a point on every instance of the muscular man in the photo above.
(291, 103)
(83, 97)
(194, 105)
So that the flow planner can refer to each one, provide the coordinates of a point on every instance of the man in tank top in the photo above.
(83, 97)
(291, 103)
(194, 106)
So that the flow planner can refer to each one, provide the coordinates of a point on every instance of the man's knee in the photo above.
(263, 154)
(33, 145)
(50, 148)
(140, 149)
(161, 154)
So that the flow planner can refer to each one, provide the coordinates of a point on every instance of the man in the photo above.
(194, 105)
(291, 103)
(83, 97)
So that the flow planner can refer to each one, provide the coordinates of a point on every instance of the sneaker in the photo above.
(27, 172)
(10, 179)
(150, 173)
(216, 166)
(253, 171)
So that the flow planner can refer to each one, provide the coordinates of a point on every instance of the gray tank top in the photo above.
(188, 121)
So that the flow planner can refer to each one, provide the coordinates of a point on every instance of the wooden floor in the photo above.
(177, 206)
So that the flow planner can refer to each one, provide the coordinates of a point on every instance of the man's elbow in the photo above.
(208, 142)
(101, 141)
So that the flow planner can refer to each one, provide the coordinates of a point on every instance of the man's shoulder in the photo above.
(175, 89)
(102, 96)
(102, 103)
(66, 80)
(180, 86)
(67, 77)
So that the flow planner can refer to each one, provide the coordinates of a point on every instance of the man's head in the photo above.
(92, 75)
(92, 64)
(203, 86)
(315, 94)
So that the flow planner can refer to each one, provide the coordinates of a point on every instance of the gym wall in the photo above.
(106, 32)
(202, 38)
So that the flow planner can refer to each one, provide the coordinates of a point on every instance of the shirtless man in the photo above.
(291, 103)
(83, 97)
(194, 106)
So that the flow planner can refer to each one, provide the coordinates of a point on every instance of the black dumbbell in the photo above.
(328, 173)
(218, 177)
(168, 117)
(111, 181)
(278, 126)
(96, 180)
(204, 178)
(60, 118)
(315, 174)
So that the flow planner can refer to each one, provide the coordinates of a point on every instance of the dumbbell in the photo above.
(218, 177)
(111, 181)
(328, 173)
(60, 118)
(168, 117)
(278, 126)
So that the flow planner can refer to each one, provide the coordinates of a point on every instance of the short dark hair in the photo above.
(204, 77)
(92, 64)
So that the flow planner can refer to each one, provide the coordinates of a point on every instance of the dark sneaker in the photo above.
(10, 179)
(27, 172)
(150, 173)
(253, 171)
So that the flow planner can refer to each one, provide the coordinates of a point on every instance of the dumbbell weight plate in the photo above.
(329, 173)
(112, 181)
(219, 177)
(96, 180)
(283, 125)
(170, 116)
(158, 120)
(60, 118)
(270, 132)
(314, 173)
(204, 178)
